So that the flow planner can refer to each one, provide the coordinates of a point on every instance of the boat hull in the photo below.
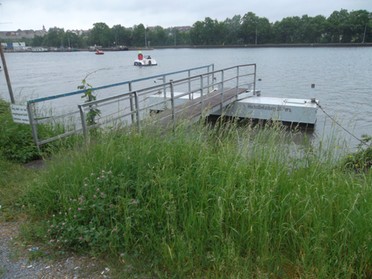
(145, 62)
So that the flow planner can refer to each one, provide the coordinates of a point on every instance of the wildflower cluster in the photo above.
(89, 219)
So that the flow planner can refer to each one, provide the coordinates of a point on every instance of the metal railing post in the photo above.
(83, 122)
(172, 104)
(254, 79)
(131, 102)
(164, 87)
(237, 76)
(222, 88)
(189, 75)
(33, 124)
(137, 110)
(201, 93)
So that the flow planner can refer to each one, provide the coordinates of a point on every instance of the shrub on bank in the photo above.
(361, 160)
(219, 202)
(16, 143)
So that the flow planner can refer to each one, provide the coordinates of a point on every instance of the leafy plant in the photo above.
(89, 221)
(16, 142)
(89, 96)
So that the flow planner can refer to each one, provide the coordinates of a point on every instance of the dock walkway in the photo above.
(194, 109)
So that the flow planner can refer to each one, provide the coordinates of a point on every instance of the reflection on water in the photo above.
(341, 76)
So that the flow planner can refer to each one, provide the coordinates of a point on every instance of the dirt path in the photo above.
(15, 261)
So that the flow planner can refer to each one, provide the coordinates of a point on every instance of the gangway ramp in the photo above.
(192, 110)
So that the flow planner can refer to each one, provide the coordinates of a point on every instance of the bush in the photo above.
(16, 142)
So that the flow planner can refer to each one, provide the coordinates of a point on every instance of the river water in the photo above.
(342, 76)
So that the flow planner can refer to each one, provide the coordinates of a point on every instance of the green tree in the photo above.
(139, 36)
(338, 27)
(121, 36)
(54, 37)
(359, 22)
(287, 30)
(157, 36)
(264, 31)
(196, 33)
(37, 41)
(232, 29)
(249, 28)
(208, 32)
(100, 35)
(314, 28)
(72, 40)
(183, 38)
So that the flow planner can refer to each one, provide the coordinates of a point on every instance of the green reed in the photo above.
(221, 201)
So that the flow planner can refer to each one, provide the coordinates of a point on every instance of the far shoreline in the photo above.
(108, 49)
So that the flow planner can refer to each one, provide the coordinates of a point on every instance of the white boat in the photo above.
(144, 60)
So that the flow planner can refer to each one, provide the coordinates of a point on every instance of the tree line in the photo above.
(340, 27)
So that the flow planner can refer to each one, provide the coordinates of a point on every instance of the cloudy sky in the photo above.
(82, 14)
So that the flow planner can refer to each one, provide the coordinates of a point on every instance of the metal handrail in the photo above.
(172, 84)
(231, 77)
(130, 82)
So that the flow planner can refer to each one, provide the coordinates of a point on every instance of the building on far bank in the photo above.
(21, 34)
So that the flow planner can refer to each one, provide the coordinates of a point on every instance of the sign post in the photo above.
(6, 74)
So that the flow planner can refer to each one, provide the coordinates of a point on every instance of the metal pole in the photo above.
(137, 110)
(6, 75)
(131, 102)
(201, 93)
(222, 89)
(254, 81)
(83, 122)
(172, 104)
(189, 82)
(33, 124)
(237, 76)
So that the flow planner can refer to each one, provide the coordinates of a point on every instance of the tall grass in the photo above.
(217, 202)
(14, 179)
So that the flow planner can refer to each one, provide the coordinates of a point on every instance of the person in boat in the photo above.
(140, 56)
(148, 57)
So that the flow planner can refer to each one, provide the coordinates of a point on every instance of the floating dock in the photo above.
(253, 106)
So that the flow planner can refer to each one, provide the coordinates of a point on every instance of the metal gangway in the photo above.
(181, 95)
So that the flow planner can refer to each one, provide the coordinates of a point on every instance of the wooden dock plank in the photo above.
(194, 109)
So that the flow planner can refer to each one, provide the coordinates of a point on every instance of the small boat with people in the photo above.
(144, 60)
(99, 52)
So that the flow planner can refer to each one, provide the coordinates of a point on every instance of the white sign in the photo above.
(20, 114)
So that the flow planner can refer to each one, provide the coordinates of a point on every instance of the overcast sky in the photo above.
(82, 14)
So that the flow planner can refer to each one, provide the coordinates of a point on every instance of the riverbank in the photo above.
(226, 201)
(312, 45)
